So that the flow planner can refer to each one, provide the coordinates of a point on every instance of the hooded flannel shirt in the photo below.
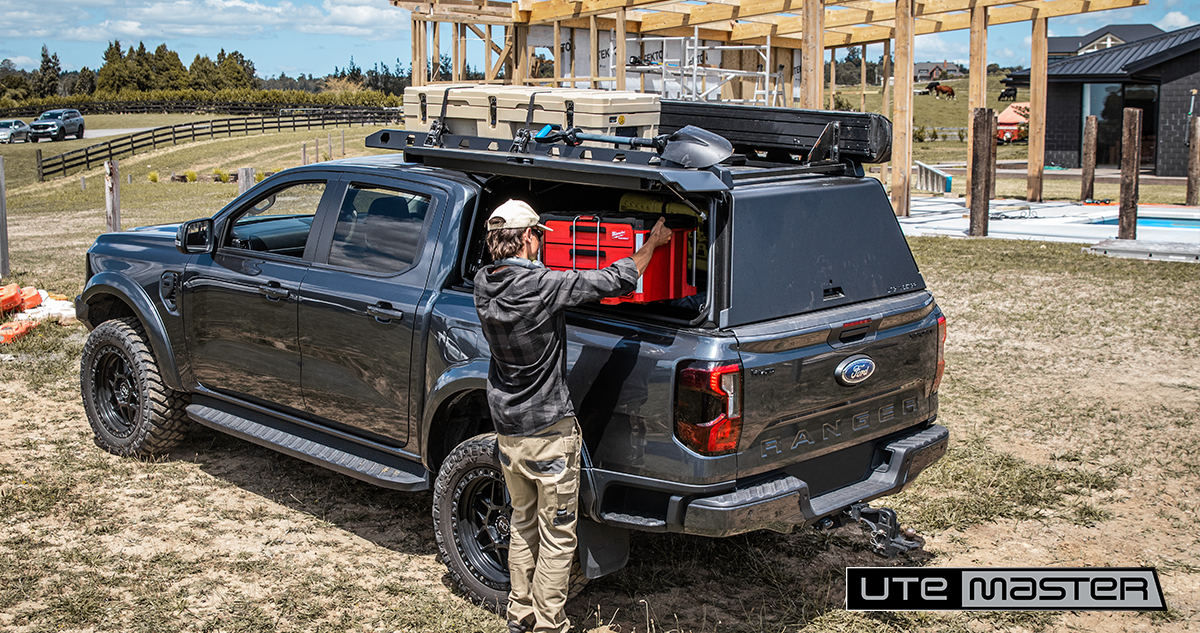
(522, 309)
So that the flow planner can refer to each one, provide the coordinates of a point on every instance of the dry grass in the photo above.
(1072, 393)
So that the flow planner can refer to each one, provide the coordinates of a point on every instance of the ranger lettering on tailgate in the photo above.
(830, 430)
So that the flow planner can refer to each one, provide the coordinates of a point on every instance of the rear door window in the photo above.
(379, 230)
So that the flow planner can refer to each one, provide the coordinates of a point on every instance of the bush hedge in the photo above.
(361, 98)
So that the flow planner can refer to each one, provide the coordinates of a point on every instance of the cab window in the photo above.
(279, 222)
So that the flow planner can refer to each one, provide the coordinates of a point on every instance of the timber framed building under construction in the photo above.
(766, 52)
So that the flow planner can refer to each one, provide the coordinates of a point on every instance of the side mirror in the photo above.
(195, 237)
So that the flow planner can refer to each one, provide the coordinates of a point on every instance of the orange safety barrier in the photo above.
(30, 298)
(10, 297)
(14, 330)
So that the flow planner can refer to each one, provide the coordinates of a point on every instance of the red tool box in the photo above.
(593, 241)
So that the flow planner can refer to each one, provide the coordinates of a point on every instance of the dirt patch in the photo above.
(1073, 407)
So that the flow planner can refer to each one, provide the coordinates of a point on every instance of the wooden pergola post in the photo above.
(902, 118)
(813, 56)
(455, 60)
(594, 56)
(886, 106)
(1037, 111)
(436, 63)
(862, 67)
(487, 52)
(1087, 187)
(976, 82)
(620, 56)
(558, 56)
(414, 29)
(832, 76)
(520, 62)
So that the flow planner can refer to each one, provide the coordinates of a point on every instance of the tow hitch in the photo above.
(887, 538)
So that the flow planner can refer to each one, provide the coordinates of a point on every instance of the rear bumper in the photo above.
(784, 502)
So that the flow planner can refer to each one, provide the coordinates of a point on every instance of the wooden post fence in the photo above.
(112, 195)
(1087, 189)
(344, 131)
(245, 179)
(1131, 158)
(303, 153)
(981, 150)
(4, 267)
(1193, 172)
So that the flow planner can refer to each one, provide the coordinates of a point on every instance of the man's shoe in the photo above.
(517, 627)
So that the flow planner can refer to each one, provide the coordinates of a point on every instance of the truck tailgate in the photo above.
(802, 402)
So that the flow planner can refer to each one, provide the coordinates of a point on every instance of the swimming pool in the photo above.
(1150, 221)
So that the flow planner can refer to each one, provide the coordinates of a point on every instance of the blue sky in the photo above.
(314, 36)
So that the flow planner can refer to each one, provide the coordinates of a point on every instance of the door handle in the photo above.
(384, 313)
(273, 292)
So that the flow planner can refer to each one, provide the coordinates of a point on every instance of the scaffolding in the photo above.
(687, 77)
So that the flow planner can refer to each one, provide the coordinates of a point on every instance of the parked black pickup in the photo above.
(327, 313)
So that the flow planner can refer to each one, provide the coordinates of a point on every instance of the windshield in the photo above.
(50, 115)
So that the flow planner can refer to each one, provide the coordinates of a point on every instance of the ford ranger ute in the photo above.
(327, 313)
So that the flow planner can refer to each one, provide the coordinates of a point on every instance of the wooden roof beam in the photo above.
(940, 23)
(554, 10)
(850, 13)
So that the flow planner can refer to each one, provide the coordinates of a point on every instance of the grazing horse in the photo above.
(1008, 94)
(944, 90)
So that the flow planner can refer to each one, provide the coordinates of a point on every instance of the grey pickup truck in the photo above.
(327, 313)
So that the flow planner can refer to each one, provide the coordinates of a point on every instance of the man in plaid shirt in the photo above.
(521, 305)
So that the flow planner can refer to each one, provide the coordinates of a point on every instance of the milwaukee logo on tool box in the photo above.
(587, 242)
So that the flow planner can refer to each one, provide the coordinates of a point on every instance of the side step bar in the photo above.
(361, 462)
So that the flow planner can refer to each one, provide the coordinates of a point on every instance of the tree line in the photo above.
(137, 69)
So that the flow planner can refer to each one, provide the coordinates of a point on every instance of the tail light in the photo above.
(708, 407)
(941, 357)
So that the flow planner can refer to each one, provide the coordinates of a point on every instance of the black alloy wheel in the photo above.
(483, 523)
(131, 410)
(118, 400)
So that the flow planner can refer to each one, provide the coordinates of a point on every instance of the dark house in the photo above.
(1100, 39)
(1159, 74)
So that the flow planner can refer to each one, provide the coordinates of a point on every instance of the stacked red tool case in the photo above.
(592, 241)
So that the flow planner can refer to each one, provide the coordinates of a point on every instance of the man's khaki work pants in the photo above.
(542, 474)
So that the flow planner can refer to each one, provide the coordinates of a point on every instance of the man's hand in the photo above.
(660, 235)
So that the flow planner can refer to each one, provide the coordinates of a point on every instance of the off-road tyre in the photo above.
(131, 411)
(79, 132)
(60, 134)
(472, 470)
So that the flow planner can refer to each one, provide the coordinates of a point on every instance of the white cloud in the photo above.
(22, 61)
(935, 48)
(1174, 20)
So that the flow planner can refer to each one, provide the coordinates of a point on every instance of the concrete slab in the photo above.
(1143, 249)
(1056, 221)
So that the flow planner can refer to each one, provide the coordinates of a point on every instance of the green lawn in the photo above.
(52, 224)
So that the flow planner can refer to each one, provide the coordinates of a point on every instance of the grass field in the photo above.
(1072, 392)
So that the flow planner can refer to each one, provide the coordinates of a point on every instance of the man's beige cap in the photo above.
(515, 214)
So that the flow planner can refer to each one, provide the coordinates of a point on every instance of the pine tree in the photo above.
(85, 84)
(142, 65)
(169, 72)
(115, 74)
(203, 74)
(45, 82)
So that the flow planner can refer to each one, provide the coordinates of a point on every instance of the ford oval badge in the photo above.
(854, 370)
